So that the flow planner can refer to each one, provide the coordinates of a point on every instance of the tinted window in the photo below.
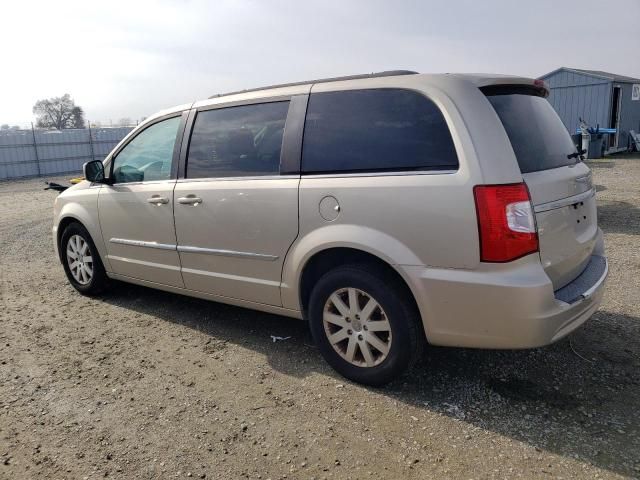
(237, 141)
(148, 156)
(538, 136)
(374, 130)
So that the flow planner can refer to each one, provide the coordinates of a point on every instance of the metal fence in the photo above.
(29, 153)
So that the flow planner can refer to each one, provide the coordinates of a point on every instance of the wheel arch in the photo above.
(322, 261)
(62, 226)
(360, 240)
(80, 215)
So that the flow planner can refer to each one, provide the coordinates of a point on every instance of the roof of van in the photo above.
(370, 80)
(480, 79)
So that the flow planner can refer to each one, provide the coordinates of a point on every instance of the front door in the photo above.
(136, 212)
(235, 215)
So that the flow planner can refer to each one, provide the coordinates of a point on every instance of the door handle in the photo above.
(190, 200)
(158, 200)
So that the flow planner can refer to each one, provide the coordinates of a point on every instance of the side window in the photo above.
(375, 130)
(237, 141)
(148, 156)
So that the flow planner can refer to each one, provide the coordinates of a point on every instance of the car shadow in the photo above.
(578, 398)
(597, 163)
(618, 217)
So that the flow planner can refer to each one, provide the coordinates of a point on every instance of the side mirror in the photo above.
(94, 171)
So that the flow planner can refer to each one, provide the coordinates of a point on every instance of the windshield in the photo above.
(538, 136)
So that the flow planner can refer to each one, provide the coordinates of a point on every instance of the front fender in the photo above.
(368, 240)
(81, 204)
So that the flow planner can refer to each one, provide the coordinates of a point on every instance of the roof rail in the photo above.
(386, 73)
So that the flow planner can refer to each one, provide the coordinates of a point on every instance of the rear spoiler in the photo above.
(538, 89)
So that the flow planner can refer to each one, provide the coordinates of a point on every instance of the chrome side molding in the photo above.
(227, 253)
(188, 249)
(140, 243)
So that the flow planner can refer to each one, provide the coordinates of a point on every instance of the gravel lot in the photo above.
(145, 384)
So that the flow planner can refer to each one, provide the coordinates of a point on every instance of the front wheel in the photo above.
(365, 324)
(81, 261)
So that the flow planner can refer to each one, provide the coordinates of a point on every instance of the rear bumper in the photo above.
(505, 306)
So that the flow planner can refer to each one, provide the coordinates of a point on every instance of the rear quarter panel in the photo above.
(400, 219)
(416, 219)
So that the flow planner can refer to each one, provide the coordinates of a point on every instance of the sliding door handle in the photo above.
(190, 200)
(158, 200)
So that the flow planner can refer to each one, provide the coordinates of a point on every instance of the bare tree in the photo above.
(125, 122)
(78, 117)
(59, 113)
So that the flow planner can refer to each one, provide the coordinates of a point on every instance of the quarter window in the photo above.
(375, 130)
(148, 156)
(237, 141)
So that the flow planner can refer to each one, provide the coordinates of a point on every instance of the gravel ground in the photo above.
(145, 384)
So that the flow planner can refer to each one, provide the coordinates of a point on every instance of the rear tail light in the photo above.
(505, 222)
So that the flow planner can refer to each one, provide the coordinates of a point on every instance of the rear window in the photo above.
(375, 130)
(538, 136)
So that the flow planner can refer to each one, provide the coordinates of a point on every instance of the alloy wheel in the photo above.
(357, 327)
(79, 259)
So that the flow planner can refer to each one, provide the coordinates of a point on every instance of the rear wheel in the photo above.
(81, 260)
(365, 324)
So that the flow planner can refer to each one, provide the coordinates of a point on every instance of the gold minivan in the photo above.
(388, 210)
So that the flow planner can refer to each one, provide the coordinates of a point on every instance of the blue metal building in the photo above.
(599, 98)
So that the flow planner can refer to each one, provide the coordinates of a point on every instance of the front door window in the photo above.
(148, 156)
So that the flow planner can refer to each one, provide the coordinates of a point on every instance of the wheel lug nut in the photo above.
(365, 328)
(348, 320)
(360, 337)
(349, 332)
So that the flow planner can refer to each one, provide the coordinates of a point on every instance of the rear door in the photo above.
(236, 209)
(560, 184)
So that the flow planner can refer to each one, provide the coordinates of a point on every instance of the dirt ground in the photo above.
(145, 384)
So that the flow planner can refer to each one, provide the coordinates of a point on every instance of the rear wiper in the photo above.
(577, 154)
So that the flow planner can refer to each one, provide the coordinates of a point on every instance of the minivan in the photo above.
(390, 211)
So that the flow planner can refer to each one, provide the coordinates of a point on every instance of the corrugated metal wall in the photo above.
(576, 96)
(629, 114)
(25, 153)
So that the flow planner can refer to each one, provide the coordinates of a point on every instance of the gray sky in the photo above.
(131, 58)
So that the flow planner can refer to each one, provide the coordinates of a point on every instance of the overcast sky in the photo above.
(131, 58)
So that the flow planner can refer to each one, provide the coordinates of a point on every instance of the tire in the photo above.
(403, 342)
(91, 280)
